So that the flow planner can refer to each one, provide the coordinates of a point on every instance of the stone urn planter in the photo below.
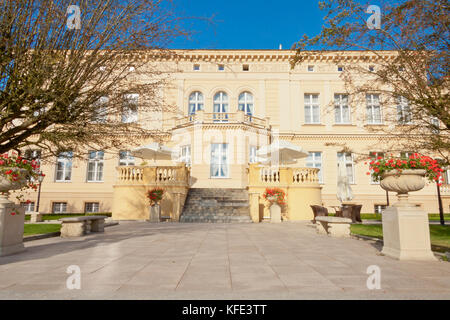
(406, 231)
(407, 181)
(12, 216)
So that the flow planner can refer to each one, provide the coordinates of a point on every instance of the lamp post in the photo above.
(40, 179)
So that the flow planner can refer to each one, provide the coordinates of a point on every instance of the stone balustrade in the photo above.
(220, 117)
(130, 200)
(301, 186)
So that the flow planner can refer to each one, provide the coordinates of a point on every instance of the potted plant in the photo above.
(276, 197)
(155, 196)
(403, 175)
(16, 173)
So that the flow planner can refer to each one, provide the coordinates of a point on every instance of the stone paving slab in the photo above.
(141, 260)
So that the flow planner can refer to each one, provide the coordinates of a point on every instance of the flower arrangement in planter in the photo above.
(18, 173)
(381, 166)
(275, 195)
(155, 195)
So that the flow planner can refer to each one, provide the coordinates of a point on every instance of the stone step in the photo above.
(216, 205)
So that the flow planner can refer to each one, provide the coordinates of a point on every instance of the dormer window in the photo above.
(310, 68)
(196, 67)
(340, 68)
(221, 67)
(245, 67)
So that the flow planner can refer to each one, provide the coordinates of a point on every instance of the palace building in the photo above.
(229, 103)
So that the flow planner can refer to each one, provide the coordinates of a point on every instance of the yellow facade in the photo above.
(279, 95)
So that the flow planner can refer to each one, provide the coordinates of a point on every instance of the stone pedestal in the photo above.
(35, 217)
(406, 232)
(155, 213)
(12, 219)
(275, 213)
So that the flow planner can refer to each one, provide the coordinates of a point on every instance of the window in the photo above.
(32, 154)
(219, 160)
(64, 166)
(95, 166)
(373, 109)
(446, 176)
(125, 158)
(310, 68)
(246, 103)
(341, 109)
(130, 108)
(340, 68)
(245, 67)
(371, 68)
(196, 67)
(252, 154)
(312, 110)
(100, 112)
(132, 69)
(221, 67)
(378, 208)
(91, 207)
(195, 102)
(28, 206)
(347, 159)
(314, 160)
(403, 111)
(434, 125)
(374, 156)
(59, 207)
(185, 155)
(220, 107)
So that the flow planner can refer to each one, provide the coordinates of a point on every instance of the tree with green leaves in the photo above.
(405, 58)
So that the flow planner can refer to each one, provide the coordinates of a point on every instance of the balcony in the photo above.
(220, 118)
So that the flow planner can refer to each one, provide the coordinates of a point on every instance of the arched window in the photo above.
(221, 106)
(195, 102)
(246, 103)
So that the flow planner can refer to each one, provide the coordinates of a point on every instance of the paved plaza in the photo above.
(140, 260)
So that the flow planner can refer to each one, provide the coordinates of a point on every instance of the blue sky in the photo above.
(249, 24)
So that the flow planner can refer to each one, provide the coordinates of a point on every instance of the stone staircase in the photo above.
(216, 205)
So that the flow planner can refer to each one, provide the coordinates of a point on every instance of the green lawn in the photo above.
(440, 235)
(377, 216)
(31, 229)
(54, 216)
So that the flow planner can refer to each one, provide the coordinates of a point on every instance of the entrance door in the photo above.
(219, 160)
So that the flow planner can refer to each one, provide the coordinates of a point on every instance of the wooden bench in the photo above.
(79, 226)
(334, 226)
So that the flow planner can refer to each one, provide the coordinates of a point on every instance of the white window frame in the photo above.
(346, 162)
(98, 162)
(101, 110)
(185, 155)
(245, 103)
(339, 105)
(95, 207)
(313, 162)
(128, 160)
(65, 158)
(196, 102)
(406, 154)
(403, 111)
(371, 107)
(60, 205)
(130, 108)
(220, 106)
(28, 206)
(310, 68)
(310, 104)
(221, 164)
(196, 67)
